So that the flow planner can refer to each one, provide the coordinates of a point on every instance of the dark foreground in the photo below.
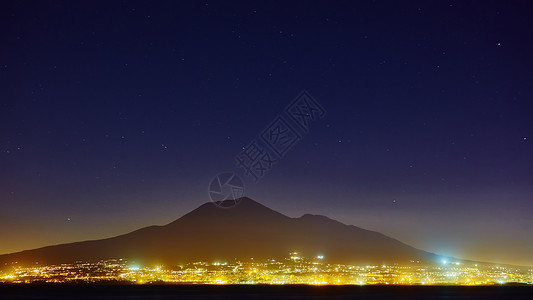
(260, 292)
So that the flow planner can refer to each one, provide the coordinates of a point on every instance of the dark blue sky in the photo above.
(116, 115)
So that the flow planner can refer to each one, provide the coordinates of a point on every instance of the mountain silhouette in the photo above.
(248, 230)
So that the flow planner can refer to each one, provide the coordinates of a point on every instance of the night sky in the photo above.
(116, 115)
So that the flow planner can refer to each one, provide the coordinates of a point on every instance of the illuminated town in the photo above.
(292, 270)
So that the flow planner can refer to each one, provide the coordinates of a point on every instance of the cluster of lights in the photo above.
(296, 269)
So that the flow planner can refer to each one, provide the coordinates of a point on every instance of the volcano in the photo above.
(248, 230)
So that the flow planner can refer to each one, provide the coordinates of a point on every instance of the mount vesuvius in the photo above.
(248, 230)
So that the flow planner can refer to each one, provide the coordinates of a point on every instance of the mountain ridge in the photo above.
(247, 230)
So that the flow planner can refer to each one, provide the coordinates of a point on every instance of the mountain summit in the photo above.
(248, 230)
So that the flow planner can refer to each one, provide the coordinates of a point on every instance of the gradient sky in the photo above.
(115, 115)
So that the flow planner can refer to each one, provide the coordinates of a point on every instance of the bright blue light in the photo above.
(444, 262)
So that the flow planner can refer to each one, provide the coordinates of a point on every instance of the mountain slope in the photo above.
(248, 230)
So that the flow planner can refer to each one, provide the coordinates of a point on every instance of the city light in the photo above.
(280, 271)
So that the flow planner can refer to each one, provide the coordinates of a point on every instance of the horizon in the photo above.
(266, 208)
(306, 262)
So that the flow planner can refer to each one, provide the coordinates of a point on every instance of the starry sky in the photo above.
(115, 115)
